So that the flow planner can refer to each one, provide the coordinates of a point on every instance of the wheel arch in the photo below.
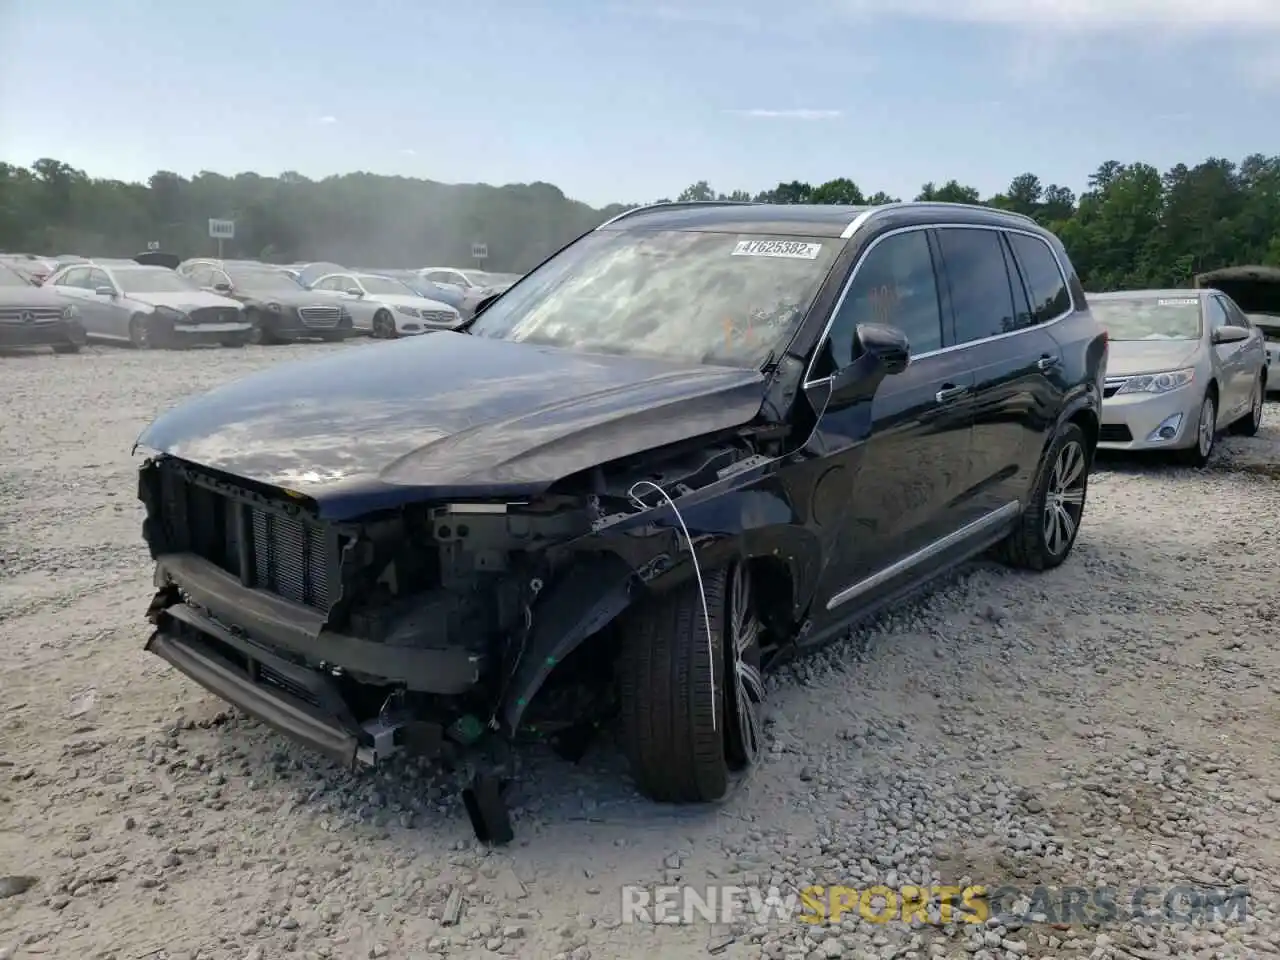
(598, 587)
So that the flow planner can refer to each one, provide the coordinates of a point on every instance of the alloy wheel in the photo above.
(1205, 429)
(744, 682)
(1064, 500)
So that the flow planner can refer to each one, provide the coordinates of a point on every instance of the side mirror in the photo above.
(105, 291)
(1230, 335)
(355, 291)
(888, 346)
(222, 288)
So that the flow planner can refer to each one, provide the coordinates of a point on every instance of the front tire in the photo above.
(140, 332)
(1048, 528)
(1198, 454)
(260, 332)
(692, 715)
(384, 326)
(68, 347)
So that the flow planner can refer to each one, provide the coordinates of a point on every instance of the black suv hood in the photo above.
(446, 415)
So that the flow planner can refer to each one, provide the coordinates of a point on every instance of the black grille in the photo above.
(286, 554)
(320, 317)
(215, 315)
(1114, 433)
(30, 314)
(290, 558)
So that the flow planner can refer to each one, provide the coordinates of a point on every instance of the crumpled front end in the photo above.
(335, 632)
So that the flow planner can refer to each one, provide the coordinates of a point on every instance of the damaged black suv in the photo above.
(693, 442)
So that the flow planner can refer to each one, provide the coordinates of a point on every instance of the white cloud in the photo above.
(790, 114)
(408, 152)
(1083, 15)
(326, 120)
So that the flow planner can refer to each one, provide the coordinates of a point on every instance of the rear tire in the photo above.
(1049, 525)
(1251, 422)
(66, 348)
(669, 692)
(1198, 454)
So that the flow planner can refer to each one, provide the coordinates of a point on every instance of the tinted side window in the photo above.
(201, 276)
(1046, 284)
(1214, 313)
(1235, 316)
(98, 278)
(981, 294)
(895, 285)
(75, 277)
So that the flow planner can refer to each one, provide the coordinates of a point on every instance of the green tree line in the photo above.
(1132, 227)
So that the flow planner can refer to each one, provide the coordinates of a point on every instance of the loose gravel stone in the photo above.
(1105, 725)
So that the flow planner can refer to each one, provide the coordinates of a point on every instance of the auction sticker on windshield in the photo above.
(793, 249)
(1178, 303)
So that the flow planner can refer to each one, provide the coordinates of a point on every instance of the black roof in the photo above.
(800, 219)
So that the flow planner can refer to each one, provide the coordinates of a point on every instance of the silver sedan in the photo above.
(1183, 365)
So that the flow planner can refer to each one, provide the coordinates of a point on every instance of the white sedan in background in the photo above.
(385, 307)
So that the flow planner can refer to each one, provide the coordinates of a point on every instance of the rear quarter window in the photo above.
(1046, 285)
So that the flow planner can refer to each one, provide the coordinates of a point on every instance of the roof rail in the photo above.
(678, 203)
(967, 206)
(856, 224)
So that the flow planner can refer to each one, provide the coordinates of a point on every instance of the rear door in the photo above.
(883, 499)
(999, 326)
(1255, 351)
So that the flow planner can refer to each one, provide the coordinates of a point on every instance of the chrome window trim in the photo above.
(862, 257)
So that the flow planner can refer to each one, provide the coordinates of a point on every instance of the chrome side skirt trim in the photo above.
(953, 539)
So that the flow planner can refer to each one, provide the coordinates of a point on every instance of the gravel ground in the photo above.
(1107, 724)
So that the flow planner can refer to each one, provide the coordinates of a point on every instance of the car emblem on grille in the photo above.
(28, 317)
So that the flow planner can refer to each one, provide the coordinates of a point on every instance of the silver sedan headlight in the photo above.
(1158, 382)
(408, 311)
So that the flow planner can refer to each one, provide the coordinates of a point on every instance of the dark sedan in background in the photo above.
(31, 316)
(278, 307)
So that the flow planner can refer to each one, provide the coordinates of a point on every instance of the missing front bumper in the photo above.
(297, 702)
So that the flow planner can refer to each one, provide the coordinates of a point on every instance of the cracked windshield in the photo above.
(613, 480)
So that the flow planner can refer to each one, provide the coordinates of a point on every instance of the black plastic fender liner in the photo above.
(589, 596)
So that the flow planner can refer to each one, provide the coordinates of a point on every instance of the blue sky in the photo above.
(627, 101)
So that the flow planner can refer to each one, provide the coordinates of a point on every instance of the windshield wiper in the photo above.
(770, 362)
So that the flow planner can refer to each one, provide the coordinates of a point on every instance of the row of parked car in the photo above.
(154, 299)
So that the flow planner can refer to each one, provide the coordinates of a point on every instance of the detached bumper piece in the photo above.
(300, 703)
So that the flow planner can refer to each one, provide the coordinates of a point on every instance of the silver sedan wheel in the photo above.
(743, 732)
(1064, 500)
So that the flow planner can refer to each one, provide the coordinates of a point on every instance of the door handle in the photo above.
(1047, 363)
(950, 391)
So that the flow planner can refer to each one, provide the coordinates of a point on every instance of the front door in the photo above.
(888, 472)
